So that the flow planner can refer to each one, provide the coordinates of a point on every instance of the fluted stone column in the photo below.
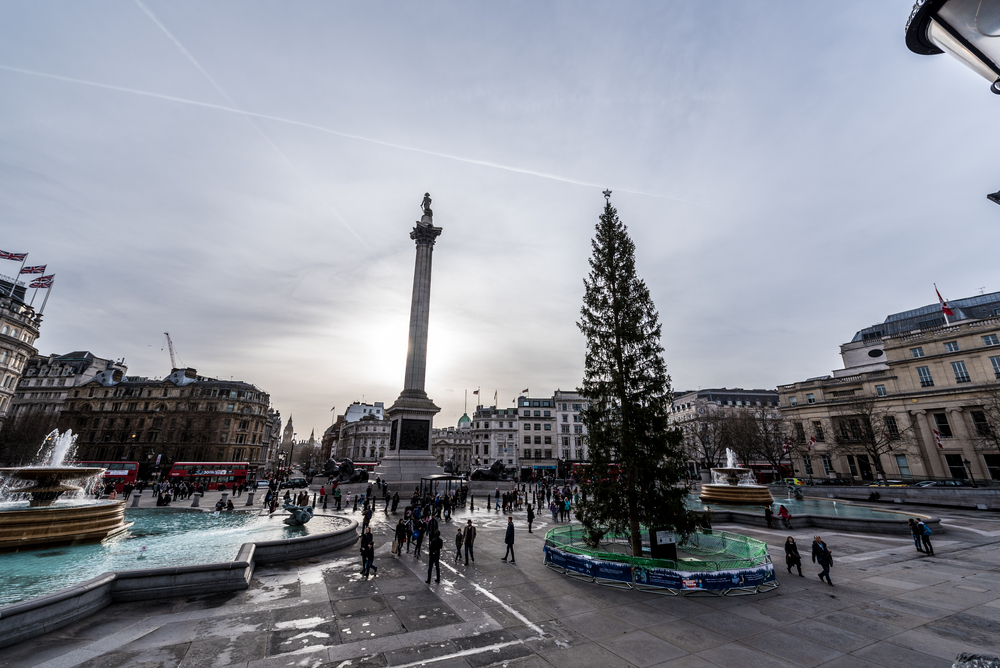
(411, 417)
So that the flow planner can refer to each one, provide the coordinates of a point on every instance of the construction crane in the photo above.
(170, 347)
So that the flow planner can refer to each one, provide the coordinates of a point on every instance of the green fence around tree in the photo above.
(718, 550)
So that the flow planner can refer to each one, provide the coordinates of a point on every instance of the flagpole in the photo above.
(943, 304)
(33, 295)
(13, 283)
(48, 291)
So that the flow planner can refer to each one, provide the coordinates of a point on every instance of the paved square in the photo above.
(891, 606)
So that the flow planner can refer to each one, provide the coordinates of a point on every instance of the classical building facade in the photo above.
(928, 378)
(454, 443)
(538, 434)
(693, 411)
(48, 381)
(495, 436)
(19, 325)
(364, 440)
(572, 438)
(183, 417)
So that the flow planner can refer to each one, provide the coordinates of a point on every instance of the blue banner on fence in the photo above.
(661, 577)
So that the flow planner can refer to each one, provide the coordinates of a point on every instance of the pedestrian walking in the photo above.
(418, 536)
(368, 554)
(916, 533)
(786, 517)
(925, 537)
(336, 496)
(768, 517)
(399, 537)
(509, 540)
(792, 557)
(434, 556)
(470, 539)
(459, 537)
(531, 517)
(821, 554)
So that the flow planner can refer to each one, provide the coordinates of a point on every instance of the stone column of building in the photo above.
(412, 415)
(925, 441)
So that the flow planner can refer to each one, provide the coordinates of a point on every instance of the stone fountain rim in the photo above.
(67, 471)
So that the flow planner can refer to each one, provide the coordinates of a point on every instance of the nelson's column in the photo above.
(411, 417)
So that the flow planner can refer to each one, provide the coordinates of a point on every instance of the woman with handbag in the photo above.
(792, 557)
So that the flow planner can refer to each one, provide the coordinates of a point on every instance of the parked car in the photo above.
(889, 483)
(835, 481)
(263, 484)
(958, 482)
(792, 481)
(294, 483)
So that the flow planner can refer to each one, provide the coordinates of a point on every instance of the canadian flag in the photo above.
(812, 442)
(937, 439)
(944, 304)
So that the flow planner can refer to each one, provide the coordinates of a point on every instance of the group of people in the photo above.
(783, 515)
(821, 555)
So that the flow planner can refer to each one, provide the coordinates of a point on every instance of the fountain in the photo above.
(735, 485)
(45, 520)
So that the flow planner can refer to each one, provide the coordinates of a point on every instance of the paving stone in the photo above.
(893, 656)
(861, 625)
(288, 640)
(371, 626)
(639, 615)
(792, 648)
(828, 635)
(737, 655)
(596, 625)
(417, 653)
(501, 655)
(589, 655)
(730, 625)
(483, 639)
(420, 618)
(158, 657)
(363, 605)
(689, 661)
(689, 637)
(219, 652)
(168, 634)
(642, 649)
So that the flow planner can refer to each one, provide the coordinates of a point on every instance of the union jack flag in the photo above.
(37, 269)
(17, 257)
(42, 282)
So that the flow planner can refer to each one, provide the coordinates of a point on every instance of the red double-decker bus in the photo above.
(211, 474)
(120, 473)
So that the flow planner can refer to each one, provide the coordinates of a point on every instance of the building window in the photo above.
(538, 426)
(951, 346)
(891, 428)
(903, 466)
(548, 454)
(880, 390)
(538, 413)
(547, 413)
(792, 401)
(538, 440)
(818, 431)
(548, 427)
(991, 340)
(800, 433)
(995, 361)
(527, 453)
(548, 440)
(827, 465)
(565, 418)
(980, 423)
(852, 466)
(943, 428)
(565, 428)
(527, 439)
(961, 373)
(810, 398)
(807, 464)
(527, 427)
(925, 376)
(916, 352)
(565, 440)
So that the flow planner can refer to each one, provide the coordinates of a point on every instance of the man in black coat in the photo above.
(531, 517)
(434, 556)
(821, 555)
(469, 540)
(509, 539)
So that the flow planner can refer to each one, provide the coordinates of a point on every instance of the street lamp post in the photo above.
(968, 465)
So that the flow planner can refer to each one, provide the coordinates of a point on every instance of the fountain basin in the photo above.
(739, 495)
(60, 525)
(48, 483)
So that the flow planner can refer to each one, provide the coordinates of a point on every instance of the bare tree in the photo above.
(706, 438)
(863, 426)
(763, 432)
(986, 419)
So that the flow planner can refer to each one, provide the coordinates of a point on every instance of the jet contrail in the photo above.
(247, 118)
(346, 135)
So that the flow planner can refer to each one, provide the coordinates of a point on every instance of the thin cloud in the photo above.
(347, 135)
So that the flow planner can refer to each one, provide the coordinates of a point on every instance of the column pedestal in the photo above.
(409, 457)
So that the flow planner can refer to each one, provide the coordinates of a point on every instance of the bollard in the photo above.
(196, 499)
(224, 496)
(250, 498)
(135, 500)
(314, 500)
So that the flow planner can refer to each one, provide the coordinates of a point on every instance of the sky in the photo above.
(245, 175)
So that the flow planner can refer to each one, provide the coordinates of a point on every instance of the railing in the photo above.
(738, 551)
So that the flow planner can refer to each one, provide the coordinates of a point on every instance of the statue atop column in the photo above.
(426, 206)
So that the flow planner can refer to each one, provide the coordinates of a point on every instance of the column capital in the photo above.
(425, 234)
